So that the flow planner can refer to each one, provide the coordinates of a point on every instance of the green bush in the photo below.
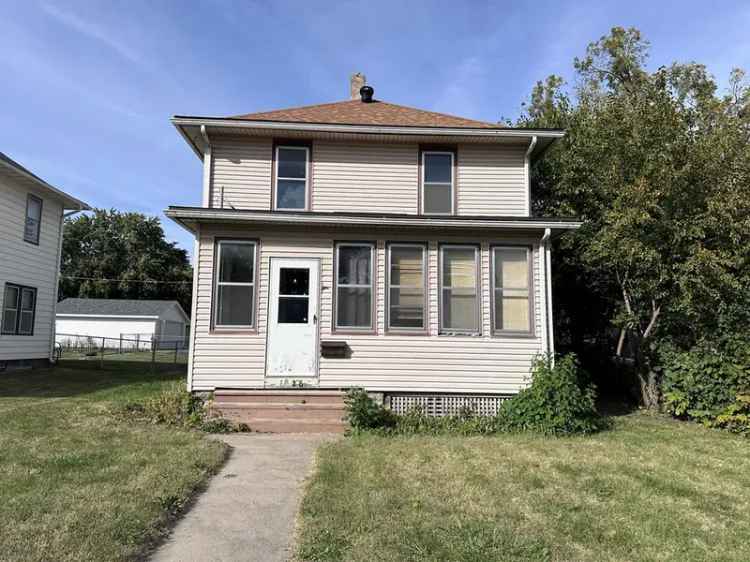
(177, 407)
(708, 381)
(557, 402)
(363, 413)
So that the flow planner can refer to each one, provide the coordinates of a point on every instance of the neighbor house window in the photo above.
(33, 219)
(19, 307)
(406, 287)
(235, 284)
(511, 290)
(459, 294)
(291, 177)
(354, 286)
(437, 183)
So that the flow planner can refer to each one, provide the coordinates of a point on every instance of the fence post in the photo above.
(101, 361)
(153, 354)
(175, 352)
(120, 348)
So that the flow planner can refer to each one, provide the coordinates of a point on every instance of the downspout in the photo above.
(207, 157)
(56, 285)
(549, 332)
(527, 173)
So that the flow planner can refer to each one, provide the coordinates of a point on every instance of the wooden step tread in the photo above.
(281, 406)
(279, 392)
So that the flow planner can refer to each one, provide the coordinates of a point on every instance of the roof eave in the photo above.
(188, 217)
(69, 202)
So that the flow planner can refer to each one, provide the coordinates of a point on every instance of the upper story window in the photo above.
(511, 282)
(235, 284)
(33, 222)
(354, 286)
(406, 287)
(459, 289)
(19, 309)
(437, 183)
(292, 178)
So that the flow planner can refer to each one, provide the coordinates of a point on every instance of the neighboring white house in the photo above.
(31, 221)
(363, 243)
(123, 323)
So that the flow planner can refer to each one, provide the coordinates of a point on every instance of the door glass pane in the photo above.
(292, 163)
(460, 309)
(406, 308)
(354, 265)
(406, 266)
(294, 281)
(235, 305)
(290, 194)
(293, 310)
(237, 262)
(438, 168)
(437, 198)
(354, 307)
(511, 268)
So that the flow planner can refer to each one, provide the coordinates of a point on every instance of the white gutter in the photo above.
(527, 173)
(207, 152)
(193, 310)
(368, 129)
(336, 219)
(549, 330)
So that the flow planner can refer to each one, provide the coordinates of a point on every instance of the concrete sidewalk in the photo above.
(247, 513)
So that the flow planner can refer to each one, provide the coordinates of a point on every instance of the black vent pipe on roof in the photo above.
(366, 92)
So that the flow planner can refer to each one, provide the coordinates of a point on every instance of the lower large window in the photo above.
(406, 287)
(459, 295)
(354, 286)
(511, 290)
(19, 308)
(235, 284)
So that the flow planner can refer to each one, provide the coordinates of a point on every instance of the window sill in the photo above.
(460, 334)
(354, 332)
(233, 331)
(407, 333)
(513, 335)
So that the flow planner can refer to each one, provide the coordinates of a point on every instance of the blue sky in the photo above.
(89, 86)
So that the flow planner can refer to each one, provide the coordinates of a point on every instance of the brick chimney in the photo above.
(356, 81)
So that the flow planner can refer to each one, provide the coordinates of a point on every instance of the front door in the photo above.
(292, 349)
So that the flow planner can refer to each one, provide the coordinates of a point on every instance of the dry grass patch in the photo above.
(649, 489)
(79, 483)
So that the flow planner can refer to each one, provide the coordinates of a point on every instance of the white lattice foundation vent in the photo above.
(445, 404)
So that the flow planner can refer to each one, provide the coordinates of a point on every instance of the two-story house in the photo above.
(363, 243)
(32, 213)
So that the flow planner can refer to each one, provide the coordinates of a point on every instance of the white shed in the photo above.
(122, 322)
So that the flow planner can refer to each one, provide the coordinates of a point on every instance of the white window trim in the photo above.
(389, 286)
(478, 290)
(529, 287)
(371, 286)
(452, 183)
(218, 283)
(307, 179)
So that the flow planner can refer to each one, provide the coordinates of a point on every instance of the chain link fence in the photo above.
(158, 352)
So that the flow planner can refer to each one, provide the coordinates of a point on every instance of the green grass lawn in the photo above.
(77, 481)
(649, 489)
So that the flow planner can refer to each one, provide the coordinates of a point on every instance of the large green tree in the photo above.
(657, 164)
(109, 254)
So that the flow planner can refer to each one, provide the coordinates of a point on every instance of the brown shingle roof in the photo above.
(357, 112)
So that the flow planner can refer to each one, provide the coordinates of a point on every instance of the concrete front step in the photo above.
(283, 411)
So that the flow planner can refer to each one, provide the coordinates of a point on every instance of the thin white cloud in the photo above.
(93, 31)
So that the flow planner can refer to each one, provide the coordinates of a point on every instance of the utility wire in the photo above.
(126, 280)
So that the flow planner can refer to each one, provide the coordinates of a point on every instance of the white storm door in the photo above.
(292, 348)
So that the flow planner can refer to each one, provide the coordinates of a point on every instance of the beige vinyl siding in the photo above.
(491, 180)
(241, 173)
(364, 177)
(29, 264)
(433, 362)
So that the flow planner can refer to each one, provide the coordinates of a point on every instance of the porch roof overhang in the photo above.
(191, 217)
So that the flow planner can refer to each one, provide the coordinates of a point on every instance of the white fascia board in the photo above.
(69, 202)
(338, 220)
(126, 316)
(367, 129)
